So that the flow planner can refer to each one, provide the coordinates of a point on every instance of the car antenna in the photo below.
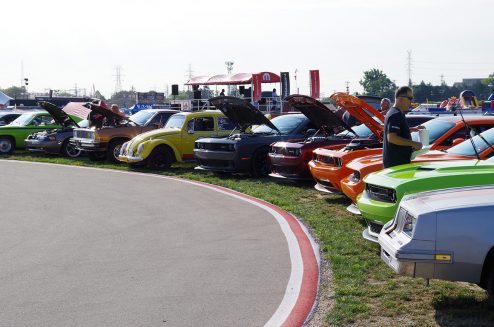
(468, 132)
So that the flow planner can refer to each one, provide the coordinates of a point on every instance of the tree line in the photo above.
(376, 82)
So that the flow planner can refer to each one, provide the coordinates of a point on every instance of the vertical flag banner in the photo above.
(256, 83)
(285, 84)
(314, 84)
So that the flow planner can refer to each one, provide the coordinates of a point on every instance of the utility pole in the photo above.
(442, 79)
(409, 64)
(347, 87)
(118, 79)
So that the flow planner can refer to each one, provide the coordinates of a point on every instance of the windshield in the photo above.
(286, 124)
(141, 117)
(436, 127)
(362, 130)
(465, 148)
(175, 122)
(22, 120)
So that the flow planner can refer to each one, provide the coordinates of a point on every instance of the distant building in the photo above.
(468, 82)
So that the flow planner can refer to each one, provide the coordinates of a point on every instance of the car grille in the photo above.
(285, 151)
(374, 227)
(229, 147)
(284, 170)
(327, 160)
(380, 193)
(83, 134)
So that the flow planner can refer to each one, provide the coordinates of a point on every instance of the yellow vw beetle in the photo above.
(159, 148)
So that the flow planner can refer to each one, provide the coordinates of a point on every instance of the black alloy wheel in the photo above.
(114, 150)
(160, 158)
(69, 149)
(261, 166)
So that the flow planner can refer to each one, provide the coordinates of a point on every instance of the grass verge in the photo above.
(364, 290)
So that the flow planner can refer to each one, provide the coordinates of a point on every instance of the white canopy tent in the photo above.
(4, 99)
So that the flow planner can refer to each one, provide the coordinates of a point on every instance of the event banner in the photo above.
(314, 84)
(256, 83)
(150, 97)
(285, 84)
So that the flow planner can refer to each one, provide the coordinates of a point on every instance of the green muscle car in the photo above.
(384, 189)
(12, 136)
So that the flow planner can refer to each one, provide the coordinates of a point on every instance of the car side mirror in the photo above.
(190, 131)
(457, 141)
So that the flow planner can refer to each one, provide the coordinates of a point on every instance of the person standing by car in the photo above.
(222, 94)
(274, 99)
(398, 144)
(385, 105)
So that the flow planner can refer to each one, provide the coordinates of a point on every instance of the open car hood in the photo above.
(60, 116)
(240, 112)
(101, 108)
(362, 111)
(318, 113)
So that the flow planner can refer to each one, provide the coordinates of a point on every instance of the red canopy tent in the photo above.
(236, 79)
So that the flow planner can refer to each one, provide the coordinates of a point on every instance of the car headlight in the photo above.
(293, 152)
(140, 148)
(354, 177)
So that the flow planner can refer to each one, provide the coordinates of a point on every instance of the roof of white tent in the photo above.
(4, 98)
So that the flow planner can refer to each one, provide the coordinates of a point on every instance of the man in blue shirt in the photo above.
(398, 144)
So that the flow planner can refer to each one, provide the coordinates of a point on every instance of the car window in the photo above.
(225, 124)
(436, 127)
(481, 143)
(42, 120)
(175, 122)
(161, 118)
(459, 134)
(204, 124)
(141, 117)
(286, 124)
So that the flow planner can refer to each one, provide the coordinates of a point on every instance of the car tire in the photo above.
(161, 158)
(114, 150)
(69, 150)
(96, 156)
(261, 166)
(7, 145)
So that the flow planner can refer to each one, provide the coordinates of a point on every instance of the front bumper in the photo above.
(351, 189)
(291, 167)
(43, 146)
(326, 175)
(89, 145)
(376, 210)
(129, 159)
(222, 161)
(413, 263)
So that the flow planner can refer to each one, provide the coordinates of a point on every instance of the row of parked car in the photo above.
(427, 234)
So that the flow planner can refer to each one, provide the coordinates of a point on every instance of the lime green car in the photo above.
(12, 136)
(159, 148)
(385, 189)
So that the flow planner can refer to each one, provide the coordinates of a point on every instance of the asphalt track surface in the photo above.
(93, 247)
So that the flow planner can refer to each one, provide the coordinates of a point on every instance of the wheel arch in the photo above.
(488, 264)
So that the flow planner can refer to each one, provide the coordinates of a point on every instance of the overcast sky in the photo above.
(63, 43)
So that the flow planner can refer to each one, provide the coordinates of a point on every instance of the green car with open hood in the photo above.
(13, 135)
(385, 189)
